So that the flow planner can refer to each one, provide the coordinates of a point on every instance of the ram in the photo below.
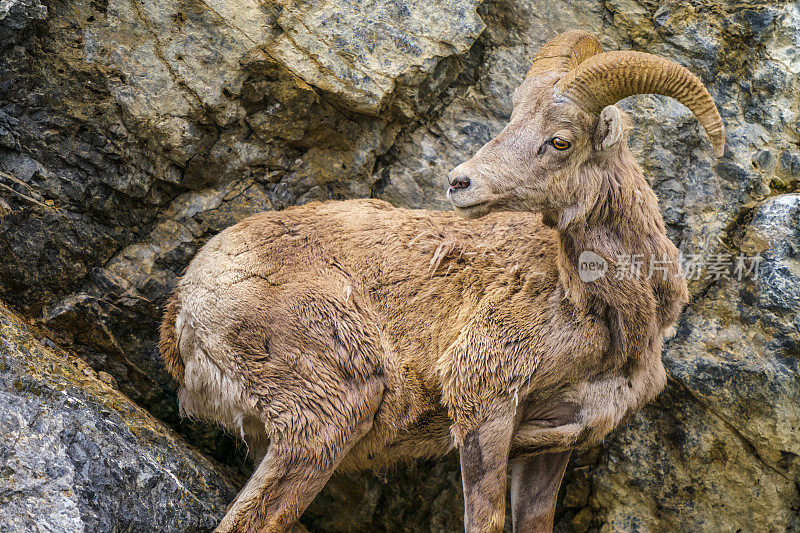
(350, 335)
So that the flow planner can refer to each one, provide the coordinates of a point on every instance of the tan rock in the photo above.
(359, 51)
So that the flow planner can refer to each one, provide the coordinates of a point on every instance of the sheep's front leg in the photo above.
(484, 459)
(534, 488)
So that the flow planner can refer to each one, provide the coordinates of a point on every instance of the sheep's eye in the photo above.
(560, 144)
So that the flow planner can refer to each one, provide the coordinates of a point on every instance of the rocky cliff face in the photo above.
(131, 131)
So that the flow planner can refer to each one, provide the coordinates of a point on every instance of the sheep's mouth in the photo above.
(473, 210)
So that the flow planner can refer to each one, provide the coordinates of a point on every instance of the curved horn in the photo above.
(564, 52)
(607, 78)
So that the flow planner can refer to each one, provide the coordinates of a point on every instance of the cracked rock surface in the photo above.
(131, 131)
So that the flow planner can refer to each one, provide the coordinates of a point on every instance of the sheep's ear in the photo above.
(610, 129)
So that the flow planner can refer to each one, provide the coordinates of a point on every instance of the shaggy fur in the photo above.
(350, 335)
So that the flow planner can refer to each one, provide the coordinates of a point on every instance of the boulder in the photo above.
(76, 455)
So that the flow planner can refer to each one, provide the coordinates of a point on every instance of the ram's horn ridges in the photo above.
(564, 52)
(607, 78)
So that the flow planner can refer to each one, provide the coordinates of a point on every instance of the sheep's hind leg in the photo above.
(295, 468)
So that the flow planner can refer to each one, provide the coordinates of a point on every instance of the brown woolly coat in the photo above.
(290, 316)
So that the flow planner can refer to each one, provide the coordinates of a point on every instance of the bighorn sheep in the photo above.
(349, 335)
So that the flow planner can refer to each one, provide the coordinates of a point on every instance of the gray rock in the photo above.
(775, 233)
(16, 16)
(76, 455)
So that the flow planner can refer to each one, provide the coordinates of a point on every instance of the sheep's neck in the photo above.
(625, 229)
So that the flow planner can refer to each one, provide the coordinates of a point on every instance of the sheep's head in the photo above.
(565, 127)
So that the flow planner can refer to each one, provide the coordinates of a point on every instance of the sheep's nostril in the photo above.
(460, 182)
